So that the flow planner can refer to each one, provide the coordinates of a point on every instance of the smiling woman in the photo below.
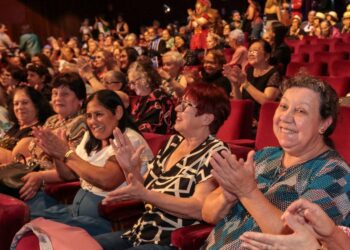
(92, 162)
(254, 195)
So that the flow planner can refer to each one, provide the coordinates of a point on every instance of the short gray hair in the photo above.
(238, 35)
(175, 57)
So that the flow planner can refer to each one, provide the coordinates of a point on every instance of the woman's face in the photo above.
(297, 121)
(178, 42)
(226, 30)
(139, 84)
(34, 80)
(210, 65)
(256, 54)
(108, 41)
(102, 121)
(47, 52)
(6, 79)
(99, 61)
(186, 116)
(65, 102)
(111, 82)
(211, 43)
(24, 108)
(123, 60)
(171, 67)
(36, 60)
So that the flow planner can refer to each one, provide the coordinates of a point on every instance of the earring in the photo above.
(321, 131)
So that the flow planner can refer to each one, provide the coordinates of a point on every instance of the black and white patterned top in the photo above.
(155, 226)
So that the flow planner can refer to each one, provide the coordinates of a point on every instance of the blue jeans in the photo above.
(113, 241)
(82, 213)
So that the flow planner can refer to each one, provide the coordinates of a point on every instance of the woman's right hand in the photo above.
(234, 74)
(127, 156)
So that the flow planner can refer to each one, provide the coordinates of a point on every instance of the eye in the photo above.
(283, 106)
(300, 110)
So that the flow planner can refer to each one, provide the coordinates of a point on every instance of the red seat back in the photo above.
(341, 134)
(239, 123)
(340, 47)
(156, 141)
(13, 215)
(315, 69)
(264, 134)
(339, 68)
(341, 84)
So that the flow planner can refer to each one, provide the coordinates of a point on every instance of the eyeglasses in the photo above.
(184, 104)
(110, 82)
(253, 52)
(137, 80)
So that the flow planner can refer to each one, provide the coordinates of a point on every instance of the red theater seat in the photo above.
(339, 68)
(13, 215)
(341, 84)
(315, 69)
(239, 123)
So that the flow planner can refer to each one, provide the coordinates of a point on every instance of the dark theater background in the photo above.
(63, 17)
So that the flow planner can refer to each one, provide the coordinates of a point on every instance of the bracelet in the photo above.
(67, 155)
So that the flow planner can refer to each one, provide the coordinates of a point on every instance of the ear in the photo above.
(119, 112)
(325, 124)
(207, 119)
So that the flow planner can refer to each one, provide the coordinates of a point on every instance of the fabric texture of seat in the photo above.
(339, 68)
(13, 215)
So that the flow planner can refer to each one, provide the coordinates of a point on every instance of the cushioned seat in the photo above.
(13, 215)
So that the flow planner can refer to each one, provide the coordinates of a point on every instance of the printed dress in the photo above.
(323, 180)
(155, 226)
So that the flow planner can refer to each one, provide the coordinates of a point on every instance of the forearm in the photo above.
(95, 83)
(50, 176)
(187, 208)
(260, 209)
(236, 92)
(64, 172)
(216, 207)
(337, 241)
(105, 177)
(257, 95)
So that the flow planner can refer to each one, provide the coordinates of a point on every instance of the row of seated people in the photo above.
(254, 191)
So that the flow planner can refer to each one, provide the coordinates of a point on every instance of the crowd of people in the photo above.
(78, 108)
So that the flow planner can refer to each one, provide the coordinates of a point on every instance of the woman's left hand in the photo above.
(51, 143)
(234, 176)
(32, 183)
(135, 190)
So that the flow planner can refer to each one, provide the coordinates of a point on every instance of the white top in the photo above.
(99, 159)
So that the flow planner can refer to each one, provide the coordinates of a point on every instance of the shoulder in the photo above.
(268, 154)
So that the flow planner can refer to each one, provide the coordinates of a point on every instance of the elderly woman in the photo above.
(300, 216)
(154, 109)
(254, 193)
(179, 177)
(68, 96)
(260, 82)
(240, 55)
(174, 82)
(92, 161)
(29, 108)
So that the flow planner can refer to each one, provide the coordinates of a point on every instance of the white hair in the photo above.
(238, 35)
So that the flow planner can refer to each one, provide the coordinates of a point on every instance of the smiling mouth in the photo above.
(287, 130)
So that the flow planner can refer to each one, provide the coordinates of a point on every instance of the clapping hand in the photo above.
(135, 190)
(127, 156)
(55, 145)
(235, 176)
(235, 74)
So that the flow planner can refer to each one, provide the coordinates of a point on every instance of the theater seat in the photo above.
(341, 84)
(315, 69)
(341, 134)
(156, 141)
(13, 215)
(239, 123)
(339, 68)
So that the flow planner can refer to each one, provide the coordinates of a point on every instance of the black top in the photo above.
(280, 58)
(218, 80)
(270, 79)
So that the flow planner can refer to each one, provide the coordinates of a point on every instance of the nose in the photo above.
(179, 108)
(286, 115)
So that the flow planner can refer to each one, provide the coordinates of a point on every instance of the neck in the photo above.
(291, 159)
(29, 124)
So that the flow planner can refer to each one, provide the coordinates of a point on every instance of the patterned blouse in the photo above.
(323, 180)
(75, 128)
(154, 113)
(14, 135)
(155, 226)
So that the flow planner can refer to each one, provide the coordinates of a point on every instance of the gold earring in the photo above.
(321, 131)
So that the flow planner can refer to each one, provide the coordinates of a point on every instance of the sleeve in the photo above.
(274, 80)
(330, 190)
(76, 130)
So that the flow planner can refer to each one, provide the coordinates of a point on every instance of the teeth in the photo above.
(286, 130)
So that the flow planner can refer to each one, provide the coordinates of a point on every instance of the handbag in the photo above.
(12, 173)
